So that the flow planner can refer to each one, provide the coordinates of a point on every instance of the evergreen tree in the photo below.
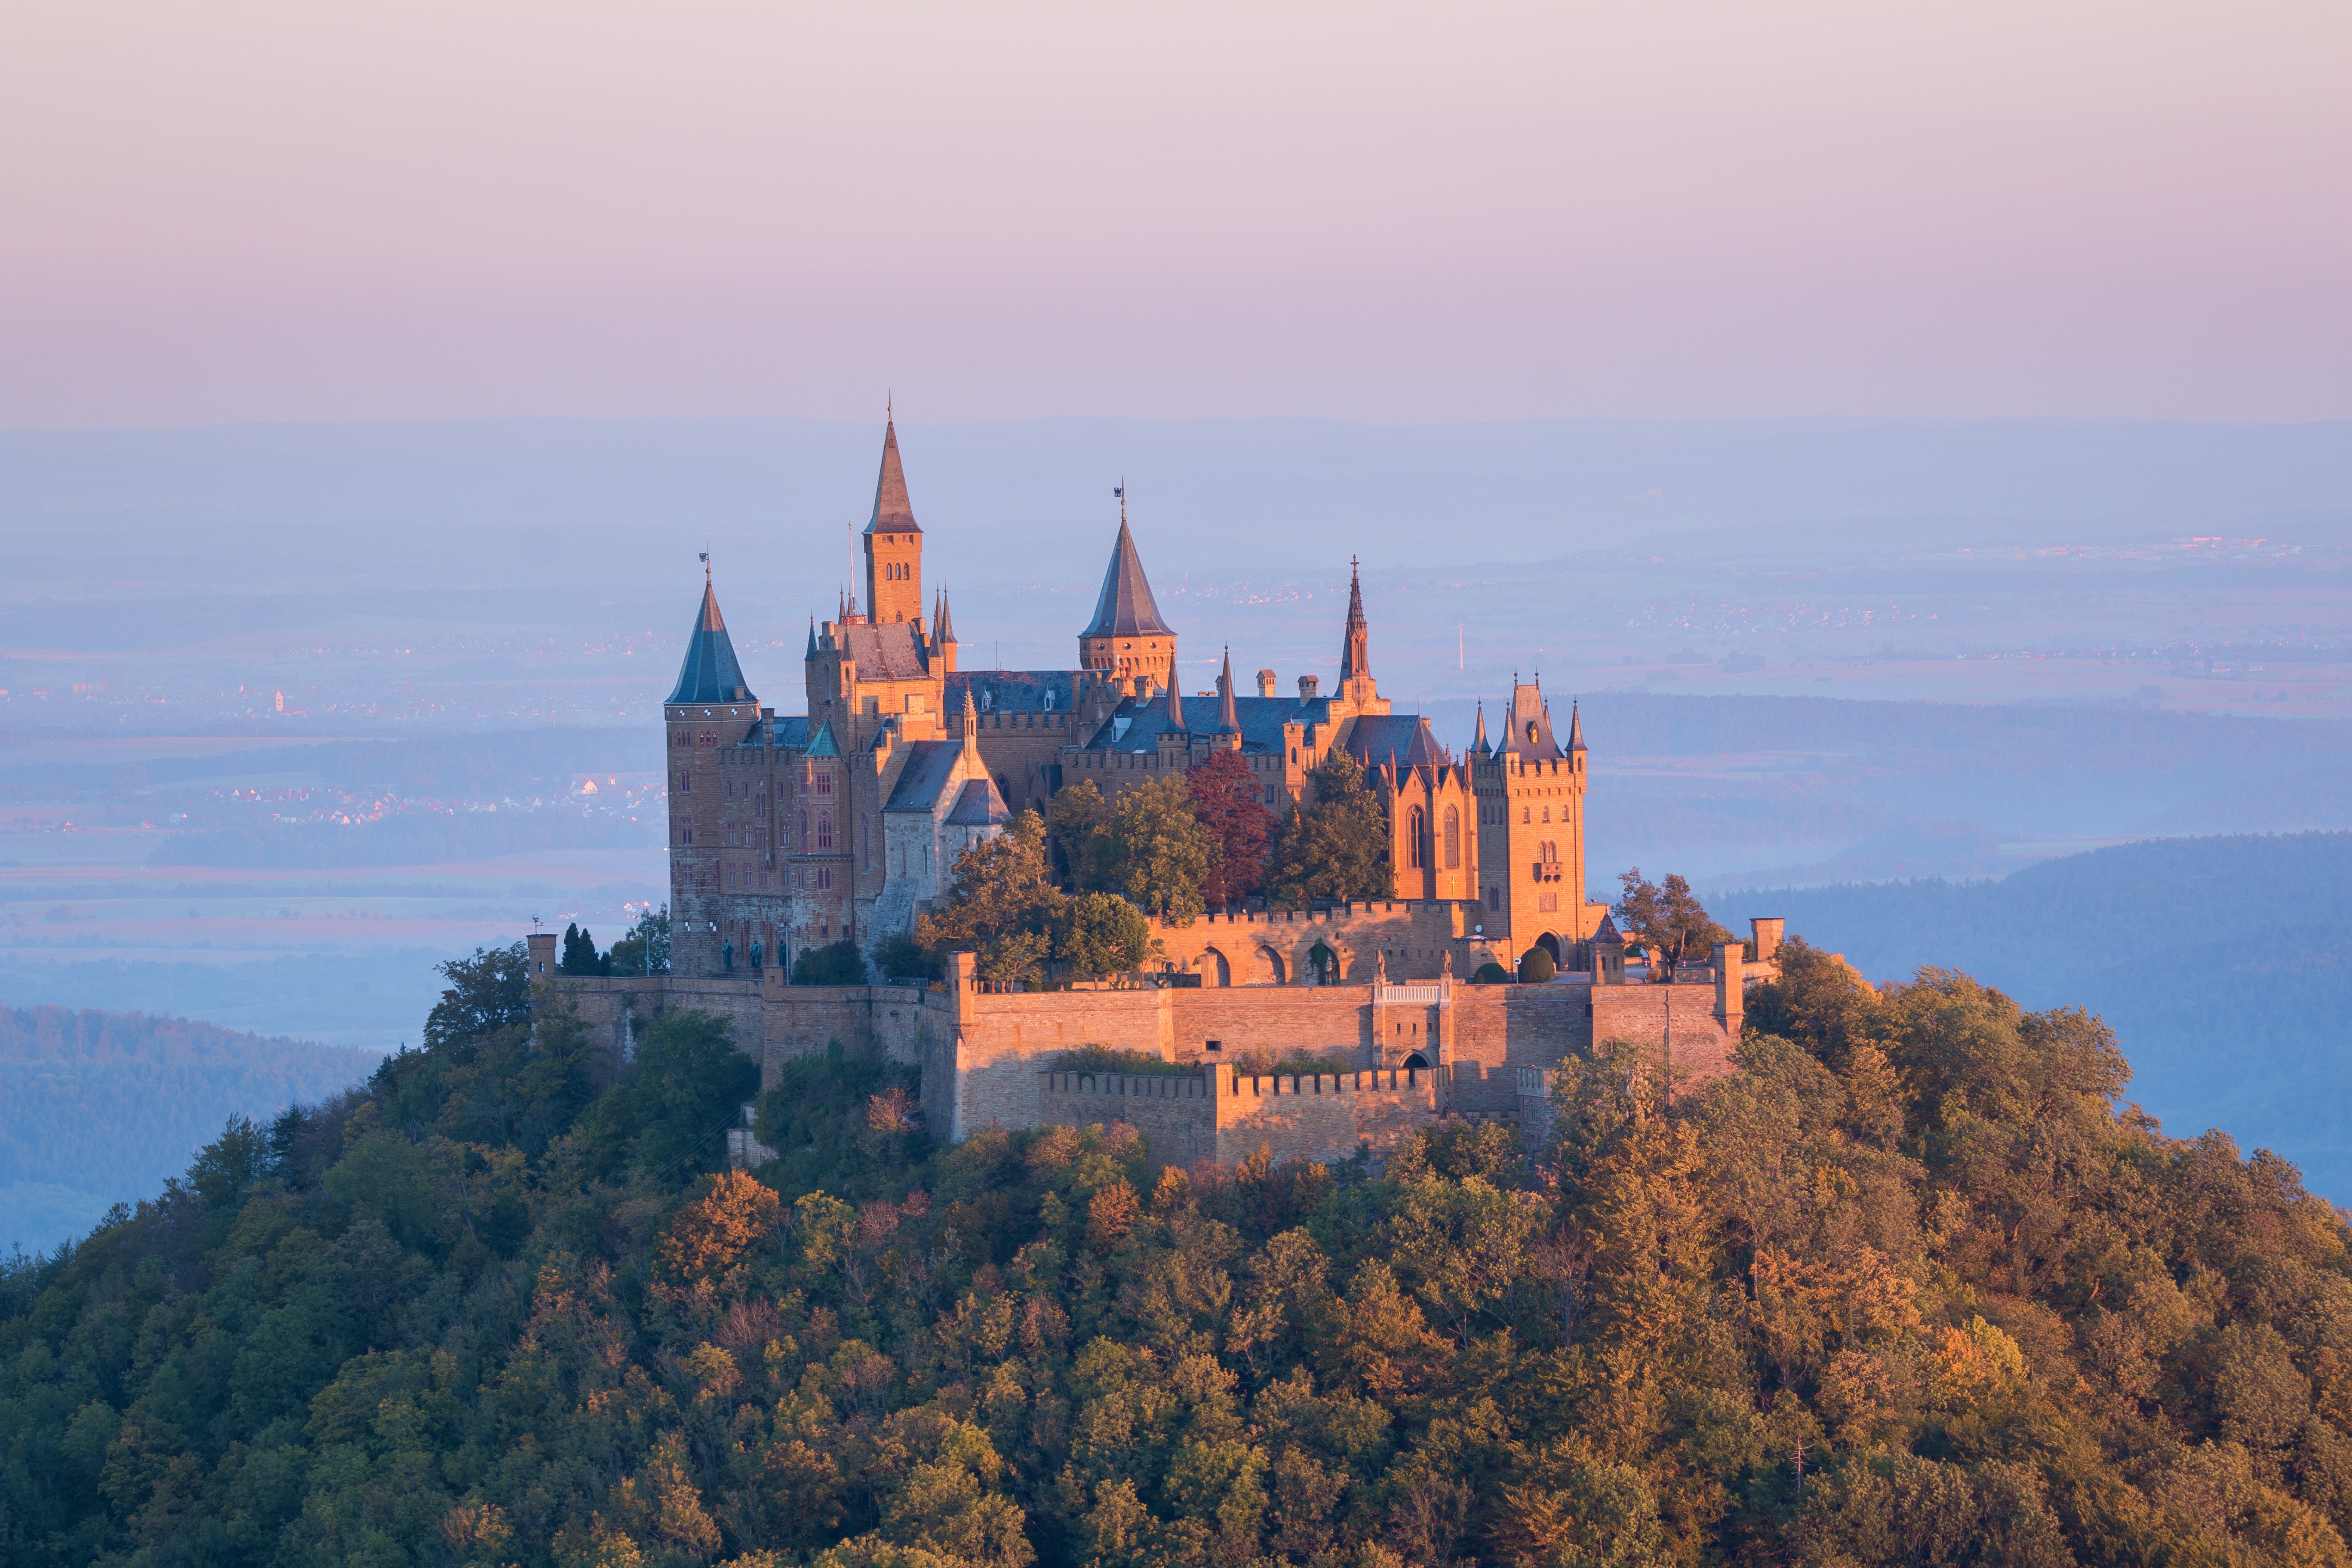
(1335, 845)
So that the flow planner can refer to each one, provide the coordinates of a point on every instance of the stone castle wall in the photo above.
(1407, 1052)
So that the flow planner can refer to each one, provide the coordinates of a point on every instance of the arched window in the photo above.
(1452, 839)
(824, 831)
(1420, 827)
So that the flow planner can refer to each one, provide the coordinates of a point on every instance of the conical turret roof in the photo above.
(942, 628)
(709, 673)
(893, 512)
(1127, 607)
(1228, 721)
(1575, 728)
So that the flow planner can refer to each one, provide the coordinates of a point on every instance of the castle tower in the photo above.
(710, 709)
(894, 544)
(1126, 638)
(943, 638)
(1531, 832)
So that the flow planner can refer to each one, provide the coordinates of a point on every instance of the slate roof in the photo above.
(824, 745)
(792, 731)
(709, 673)
(978, 806)
(1608, 931)
(928, 773)
(1012, 691)
(885, 652)
(893, 512)
(1262, 719)
(1374, 737)
(1127, 607)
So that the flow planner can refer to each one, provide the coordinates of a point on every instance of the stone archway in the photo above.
(1214, 970)
(1322, 965)
(1417, 1062)
(1550, 944)
(1274, 964)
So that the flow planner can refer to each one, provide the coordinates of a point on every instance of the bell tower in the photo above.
(894, 544)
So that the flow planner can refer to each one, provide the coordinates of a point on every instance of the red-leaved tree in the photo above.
(1225, 801)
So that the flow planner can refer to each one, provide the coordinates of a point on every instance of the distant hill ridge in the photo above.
(104, 1105)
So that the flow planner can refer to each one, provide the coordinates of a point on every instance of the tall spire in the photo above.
(970, 726)
(812, 642)
(709, 673)
(1575, 728)
(1175, 702)
(1479, 745)
(1356, 655)
(1125, 607)
(942, 628)
(1228, 721)
(893, 512)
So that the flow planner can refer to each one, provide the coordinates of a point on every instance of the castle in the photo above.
(789, 832)
(840, 825)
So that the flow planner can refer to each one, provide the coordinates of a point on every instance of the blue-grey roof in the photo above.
(1013, 691)
(792, 731)
(887, 652)
(822, 745)
(925, 777)
(1262, 721)
(978, 806)
(709, 673)
(1374, 737)
(1125, 607)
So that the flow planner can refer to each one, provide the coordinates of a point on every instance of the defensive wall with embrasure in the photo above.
(1414, 1051)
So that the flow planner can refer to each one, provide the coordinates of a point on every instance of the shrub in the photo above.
(1110, 1059)
(1491, 973)
(840, 963)
(1535, 966)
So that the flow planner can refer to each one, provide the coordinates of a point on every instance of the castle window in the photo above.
(1419, 826)
(1546, 813)
(825, 783)
(689, 836)
(1452, 839)
(686, 783)
(824, 878)
(823, 832)
(1525, 816)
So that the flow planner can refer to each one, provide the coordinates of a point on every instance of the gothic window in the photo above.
(824, 878)
(689, 835)
(1546, 813)
(824, 831)
(804, 824)
(1418, 827)
(686, 783)
(825, 783)
(1525, 816)
(1452, 839)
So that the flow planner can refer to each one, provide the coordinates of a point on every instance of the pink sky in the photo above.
(244, 211)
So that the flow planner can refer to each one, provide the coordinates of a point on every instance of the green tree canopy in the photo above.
(1336, 844)
(1162, 852)
(833, 963)
(1098, 934)
(1667, 921)
(1000, 905)
(646, 949)
(1078, 823)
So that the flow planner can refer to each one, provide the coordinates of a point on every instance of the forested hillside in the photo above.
(2225, 964)
(1906, 1288)
(100, 1108)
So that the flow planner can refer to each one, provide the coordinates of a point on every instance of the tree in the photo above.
(1164, 854)
(1535, 966)
(580, 955)
(486, 992)
(901, 957)
(1225, 802)
(1000, 906)
(1078, 822)
(1101, 933)
(835, 963)
(645, 950)
(1334, 846)
(1666, 920)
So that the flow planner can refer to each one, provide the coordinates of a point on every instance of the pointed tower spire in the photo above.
(1228, 720)
(893, 512)
(709, 673)
(1355, 654)
(812, 642)
(1575, 728)
(943, 628)
(1478, 747)
(971, 727)
(1176, 704)
(1126, 636)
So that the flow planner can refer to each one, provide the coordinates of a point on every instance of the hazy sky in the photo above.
(358, 211)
